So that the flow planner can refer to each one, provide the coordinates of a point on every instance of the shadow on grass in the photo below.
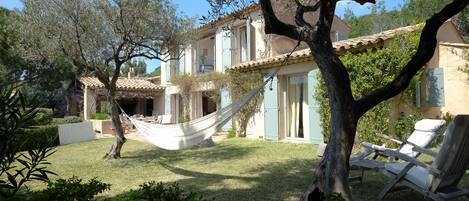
(201, 155)
(276, 181)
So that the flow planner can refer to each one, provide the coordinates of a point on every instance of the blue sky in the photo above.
(200, 7)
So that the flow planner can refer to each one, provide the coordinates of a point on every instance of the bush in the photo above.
(37, 136)
(232, 132)
(67, 120)
(71, 189)
(100, 116)
(43, 117)
(160, 191)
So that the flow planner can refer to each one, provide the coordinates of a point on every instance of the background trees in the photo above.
(100, 37)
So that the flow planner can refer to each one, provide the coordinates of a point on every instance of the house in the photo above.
(288, 111)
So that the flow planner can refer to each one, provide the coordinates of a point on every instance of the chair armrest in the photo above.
(392, 153)
(422, 150)
(372, 146)
(390, 138)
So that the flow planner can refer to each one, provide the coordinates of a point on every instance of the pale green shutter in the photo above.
(271, 110)
(248, 39)
(436, 88)
(225, 101)
(226, 62)
(315, 130)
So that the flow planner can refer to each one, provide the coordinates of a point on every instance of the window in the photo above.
(243, 44)
(297, 105)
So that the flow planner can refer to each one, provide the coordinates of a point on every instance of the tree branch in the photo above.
(301, 10)
(274, 26)
(425, 51)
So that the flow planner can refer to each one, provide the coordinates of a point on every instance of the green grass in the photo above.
(235, 169)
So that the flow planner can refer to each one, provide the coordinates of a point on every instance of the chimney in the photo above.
(131, 73)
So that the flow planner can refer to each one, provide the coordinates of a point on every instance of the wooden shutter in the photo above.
(271, 110)
(436, 88)
(248, 39)
(315, 129)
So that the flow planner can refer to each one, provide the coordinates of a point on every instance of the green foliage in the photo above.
(240, 83)
(17, 168)
(72, 189)
(411, 12)
(369, 70)
(232, 132)
(139, 68)
(335, 197)
(162, 192)
(156, 72)
(104, 107)
(100, 116)
(184, 118)
(35, 136)
(66, 120)
(404, 125)
(43, 116)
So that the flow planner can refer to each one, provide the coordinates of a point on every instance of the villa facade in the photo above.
(289, 110)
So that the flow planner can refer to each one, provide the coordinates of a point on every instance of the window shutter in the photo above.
(436, 93)
(225, 101)
(226, 49)
(271, 110)
(248, 39)
(315, 130)
(418, 95)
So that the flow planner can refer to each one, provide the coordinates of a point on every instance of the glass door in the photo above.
(296, 106)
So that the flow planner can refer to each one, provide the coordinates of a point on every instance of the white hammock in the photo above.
(189, 134)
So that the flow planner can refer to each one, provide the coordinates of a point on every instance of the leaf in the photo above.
(23, 162)
(12, 179)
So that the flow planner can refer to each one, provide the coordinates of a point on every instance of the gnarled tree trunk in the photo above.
(119, 138)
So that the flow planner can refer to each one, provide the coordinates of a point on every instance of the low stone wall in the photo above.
(77, 132)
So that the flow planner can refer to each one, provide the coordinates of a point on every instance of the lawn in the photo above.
(235, 169)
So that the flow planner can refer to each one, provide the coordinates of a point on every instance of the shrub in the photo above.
(369, 70)
(16, 167)
(184, 118)
(335, 197)
(100, 116)
(37, 136)
(71, 189)
(43, 116)
(160, 191)
(232, 132)
(67, 120)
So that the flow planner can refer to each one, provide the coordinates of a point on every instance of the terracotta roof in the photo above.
(123, 84)
(339, 46)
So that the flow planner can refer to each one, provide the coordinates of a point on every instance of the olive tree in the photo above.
(100, 36)
(331, 175)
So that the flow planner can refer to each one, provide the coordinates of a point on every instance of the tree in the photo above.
(156, 72)
(139, 68)
(331, 175)
(101, 36)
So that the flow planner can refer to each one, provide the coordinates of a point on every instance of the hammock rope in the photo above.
(192, 133)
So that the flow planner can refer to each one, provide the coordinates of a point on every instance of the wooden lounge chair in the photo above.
(424, 133)
(439, 180)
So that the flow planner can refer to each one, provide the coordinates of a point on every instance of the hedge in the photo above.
(43, 117)
(34, 136)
